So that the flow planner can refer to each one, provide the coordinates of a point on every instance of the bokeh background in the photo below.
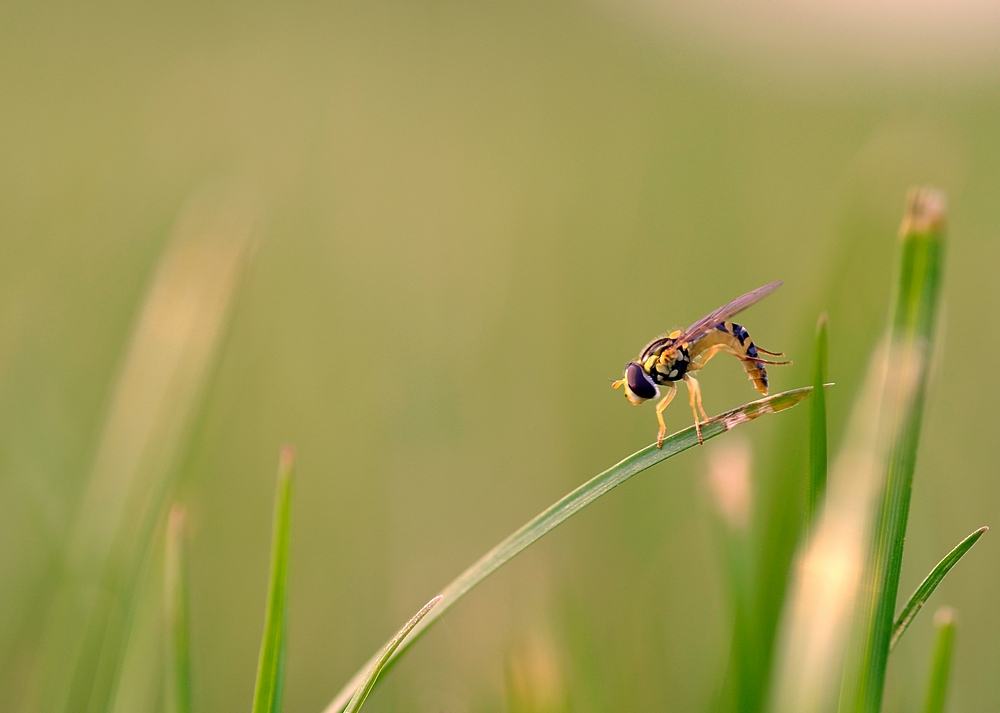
(422, 237)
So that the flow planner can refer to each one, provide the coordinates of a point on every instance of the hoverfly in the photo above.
(672, 358)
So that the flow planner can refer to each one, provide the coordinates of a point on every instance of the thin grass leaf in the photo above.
(271, 665)
(910, 345)
(927, 587)
(572, 504)
(817, 426)
(175, 606)
(937, 686)
(366, 686)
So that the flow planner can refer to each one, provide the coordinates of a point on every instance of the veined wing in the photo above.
(705, 325)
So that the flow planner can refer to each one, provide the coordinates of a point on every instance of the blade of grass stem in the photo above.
(570, 505)
(366, 686)
(175, 606)
(927, 587)
(911, 337)
(271, 665)
(817, 426)
(937, 686)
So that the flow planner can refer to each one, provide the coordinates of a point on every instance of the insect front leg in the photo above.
(671, 389)
(694, 397)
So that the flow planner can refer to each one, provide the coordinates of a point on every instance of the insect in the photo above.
(674, 357)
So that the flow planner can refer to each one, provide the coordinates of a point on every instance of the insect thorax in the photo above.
(669, 364)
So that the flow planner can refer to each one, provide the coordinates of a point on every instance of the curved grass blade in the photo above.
(366, 686)
(271, 666)
(572, 504)
(927, 587)
(817, 426)
(175, 590)
(937, 687)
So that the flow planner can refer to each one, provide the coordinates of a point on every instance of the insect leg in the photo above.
(697, 399)
(671, 389)
(771, 353)
(707, 355)
(694, 398)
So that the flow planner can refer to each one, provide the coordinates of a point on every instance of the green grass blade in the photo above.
(175, 589)
(910, 345)
(817, 426)
(383, 658)
(271, 666)
(937, 687)
(570, 505)
(927, 587)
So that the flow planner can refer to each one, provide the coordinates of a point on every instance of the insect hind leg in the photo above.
(761, 349)
(708, 354)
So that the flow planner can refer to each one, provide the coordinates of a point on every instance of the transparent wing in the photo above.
(707, 324)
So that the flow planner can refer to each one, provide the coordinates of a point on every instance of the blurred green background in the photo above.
(465, 219)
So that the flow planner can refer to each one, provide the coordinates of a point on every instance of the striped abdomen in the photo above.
(734, 338)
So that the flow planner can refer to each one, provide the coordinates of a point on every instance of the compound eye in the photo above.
(639, 382)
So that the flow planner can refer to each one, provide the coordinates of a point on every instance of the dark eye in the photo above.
(639, 382)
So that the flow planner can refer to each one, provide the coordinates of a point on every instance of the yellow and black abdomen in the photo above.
(735, 339)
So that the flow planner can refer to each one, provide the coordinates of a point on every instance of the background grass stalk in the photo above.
(271, 665)
(817, 425)
(911, 335)
(937, 685)
(177, 683)
(155, 398)
(819, 615)
(570, 505)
